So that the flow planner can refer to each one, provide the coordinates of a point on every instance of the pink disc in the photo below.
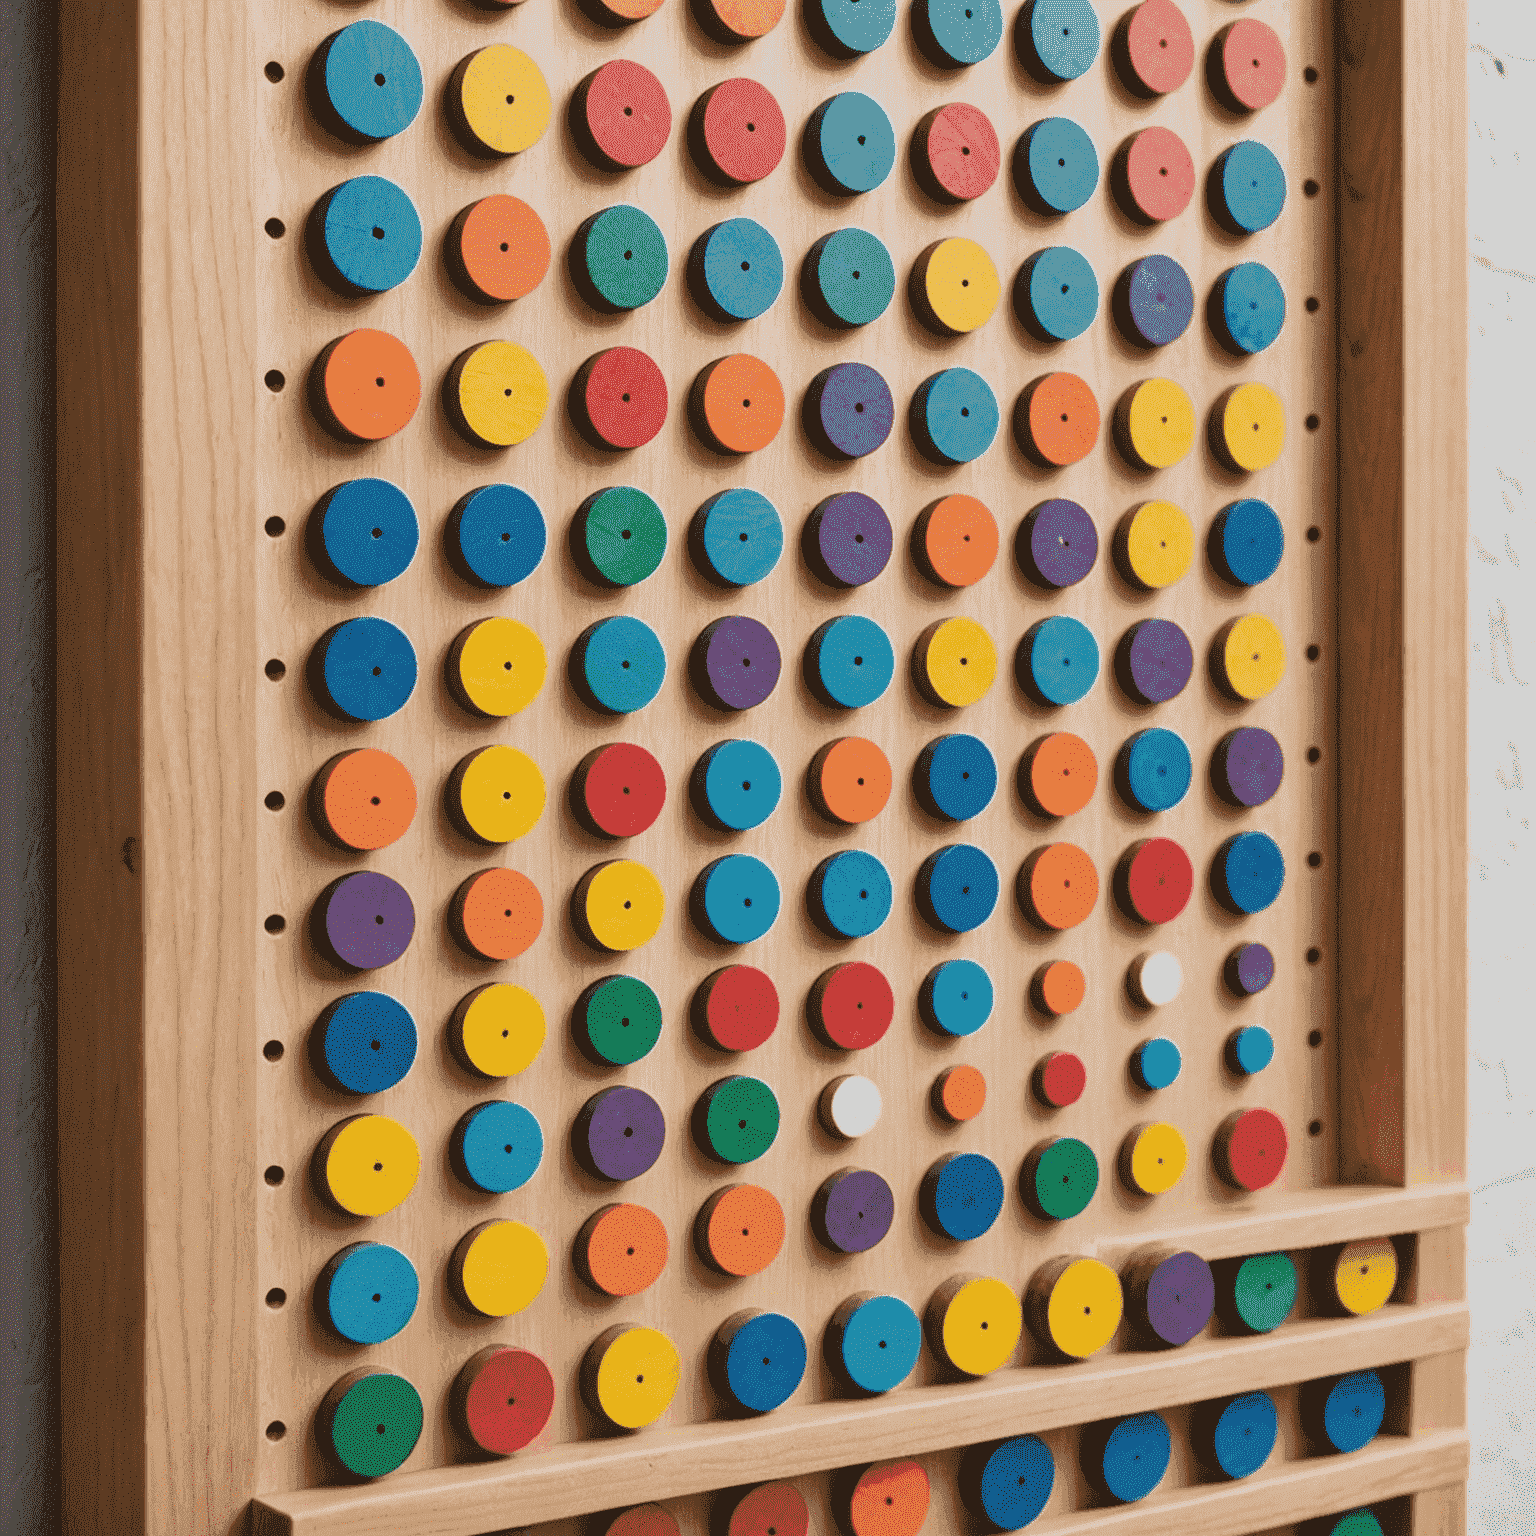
(1160, 46)
(1159, 174)
(1252, 64)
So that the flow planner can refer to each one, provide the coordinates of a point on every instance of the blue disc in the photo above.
(763, 1363)
(1249, 307)
(497, 1147)
(1154, 301)
(1245, 1434)
(955, 777)
(1247, 187)
(740, 268)
(496, 536)
(365, 1042)
(874, 1342)
(849, 278)
(735, 899)
(956, 998)
(850, 894)
(370, 233)
(1057, 295)
(368, 1292)
(1247, 542)
(1011, 1481)
(957, 888)
(1154, 770)
(737, 785)
(1156, 1064)
(371, 80)
(1135, 1457)
(847, 28)
(1058, 660)
(954, 416)
(849, 661)
(1056, 166)
(1353, 1410)
(368, 532)
(850, 145)
(618, 665)
(736, 537)
(962, 1195)
(367, 668)
(954, 33)
(1248, 871)
(1250, 1050)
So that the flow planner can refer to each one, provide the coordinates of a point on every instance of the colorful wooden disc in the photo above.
(848, 278)
(954, 287)
(873, 1341)
(1058, 1079)
(498, 101)
(1127, 1458)
(1237, 1438)
(955, 777)
(1058, 988)
(849, 144)
(848, 28)
(974, 1323)
(955, 153)
(954, 541)
(1155, 978)
(849, 780)
(736, 270)
(496, 795)
(1059, 1178)
(1154, 301)
(616, 1021)
(851, 1006)
(952, 35)
(496, 914)
(961, 1195)
(1154, 770)
(853, 1210)
(619, 1134)
(1057, 543)
(618, 536)
(364, 236)
(618, 790)
(1154, 176)
(887, 1499)
(497, 1030)
(1155, 1064)
(618, 906)
(363, 799)
(1056, 420)
(1055, 166)
(1074, 1306)
(770, 1509)
(739, 21)
(756, 1360)
(369, 1422)
(1058, 886)
(1247, 188)
(1058, 774)
(497, 249)
(1246, 542)
(1263, 1291)
(621, 1250)
(1249, 969)
(956, 998)
(1248, 428)
(849, 894)
(496, 1147)
(1154, 424)
(736, 537)
(1248, 872)
(1358, 1522)
(497, 667)
(736, 1008)
(1056, 294)
(618, 259)
(618, 399)
(959, 1094)
(954, 663)
(367, 1292)
(1057, 39)
(1009, 1482)
(736, 785)
(1154, 880)
(1365, 1275)
(1344, 1415)
(849, 661)
(620, 116)
(363, 921)
(617, 665)
(1057, 661)
(1250, 1149)
(366, 1165)
(735, 899)
(1247, 65)
(953, 416)
(736, 404)
(363, 533)
(364, 1042)
(496, 536)
(737, 131)
(1247, 308)
(1153, 1159)
(365, 83)
(365, 386)
(1248, 658)
(502, 1399)
(496, 394)
(735, 663)
(957, 888)
(1154, 661)
(1153, 48)
(739, 1230)
(736, 1119)
(849, 1107)
(848, 540)
(629, 1375)
(1249, 1050)
(848, 411)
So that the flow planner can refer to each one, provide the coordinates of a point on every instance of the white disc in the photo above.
(850, 1106)
(1156, 978)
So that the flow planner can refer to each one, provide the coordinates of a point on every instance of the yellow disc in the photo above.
(501, 393)
(501, 1267)
(1157, 1159)
(370, 1165)
(1252, 427)
(504, 99)
(622, 905)
(500, 794)
(982, 1324)
(637, 1377)
(1253, 657)
(501, 1029)
(1084, 1309)
(500, 666)
(1159, 544)
(1160, 423)
(961, 285)
(958, 662)
(1366, 1275)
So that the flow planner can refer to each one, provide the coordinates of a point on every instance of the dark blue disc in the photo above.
(497, 1147)
(1154, 770)
(758, 1363)
(849, 661)
(738, 267)
(962, 1195)
(364, 1042)
(1247, 542)
(1009, 1483)
(1057, 293)
(1245, 1433)
(954, 416)
(1353, 1410)
(1248, 872)
(1154, 301)
(367, 235)
(1057, 544)
(1055, 166)
(496, 536)
(367, 532)
(366, 669)
(1249, 308)
(1247, 187)
(957, 888)
(1134, 1457)
(956, 998)
(368, 1292)
(736, 537)
(955, 777)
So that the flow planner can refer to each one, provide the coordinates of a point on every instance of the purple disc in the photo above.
(1181, 1295)
(1057, 544)
(853, 1210)
(365, 920)
(1157, 302)
(848, 539)
(1250, 968)
(736, 663)
(849, 411)
(619, 1133)
(1248, 766)
(1155, 661)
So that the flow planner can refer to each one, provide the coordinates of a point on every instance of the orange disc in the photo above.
(850, 780)
(742, 20)
(363, 799)
(957, 540)
(1060, 987)
(501, 248)
(1060, 774)
(740, 1229)
(366, 386)
(738, 403)
(960, 1093)
(1058, 420)
(890, 1499)
(497, 914)
(1058, 885)
(622, 1249)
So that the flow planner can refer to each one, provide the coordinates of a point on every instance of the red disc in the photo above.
(1252, 62)
(507, 1396)
(770, 1509)
(1159, 46)
(958, 148)
(618, 790)
(644, 1520)
(1159, 174)
(851, 1006)
(741, 130)
(1250, 1148)
(1157, 880)
(1059, 1079)
(737, 1008)
(625, 112)
(619, 398)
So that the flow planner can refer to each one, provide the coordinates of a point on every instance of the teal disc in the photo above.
(1058, 39)
(619, 536)
(619, 259)
(736, 537)
(847, 28)
(1264, 1291)
(736, 899)
(736, 270)
(954, 416)
(849, 278)
(618, 665)
(850, 146)
(956, 998)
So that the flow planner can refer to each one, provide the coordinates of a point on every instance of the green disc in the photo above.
(740, 1119)
(375, 1424)
(1059, 1178)
(619, 259)
(617, 1020)
(619, 536)
(1264, 1291)
(1358, 1522)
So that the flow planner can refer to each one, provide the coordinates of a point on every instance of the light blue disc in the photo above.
(371, 232)
(368, 1292)
(878, 1343)
(849, 141)
(1251, 304)
(738, 784)
(618, 664)
(1249, 872)
(1245, 1434)
(849, 661)
(850, 894)
(736, 899)
(955, 777)
(1058, 660)
(496, 536)
(954, 416)
(372, 80)
(764, 1362)
(497, 1147)
(955, 33)
(1353, 1410)
(957, 888)
(1059, 292)
(1250, 1049)
(737, 537)
(1250, 186)
(848, 28)
(1156, 1064)
(741, 266)
(853, 275)
(962, 1196)
(367, 668)
(365, 1042)
(1247, 542)
(1154, 770)
(956, 998)
(1136, 1456)
(368, 531)
(1063, 36)
(1013, 1480)
(1057, 160)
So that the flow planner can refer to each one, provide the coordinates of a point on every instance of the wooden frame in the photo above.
(158, 378)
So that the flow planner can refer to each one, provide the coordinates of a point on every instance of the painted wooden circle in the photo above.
(364, 533)
(1358, 1522)
(737, 131)
(1248, 428)
(365, 386)
(849, 144)
(1365, 1275)
(1154, 48)
(1243, 1435)
(367, 1292)
(1058, 988)
(618, 399)
(849, 1107)
(959, 1093)
(954, 662)
(1058, 774)
(1059, 1178)
(617, 1021)
(1154, 661)
(1056, 294)
(364, 920)
(644, 1520)
(496, 536)
(1058, 1079)
(757, 1360)
(498, 249)
(619, 259)
(617, 665)
(954, 287)
(1155, 978)
(365, 235)
(1155, 880)
(621, 1250)
(956, 998)
(848, 28)
(962, 1195)
(496, 795)
(367, 82)
(1247, 542)
(1058, 39)
(496, 1147)
(503, 1398)
(1008, 1482)
(735, 899)
(1264, 1290)
(1155, 424)
(770, 1509)
(952, 33)
(873, 1341)
(889, 1499)
(1248, 65)
(1247, 187)
(1250, 1148)
(1156, 1064)
(848, 539)
(619, 1134)
(498, 101)
(955, 541)
(1152, 1160)
(954, 416)
(1075, 1306)
(621, 116)
(736, 1119)
(736, 270)
(737, 404)
(630, 1375)
(1249, 969)
(850, 780)
(1056, 421)
(853, 1210)
(736, 785)
(1248, 659)
(366, 1165)
(974, 1324)
(849, 661)
(369, 1422)
(955, 153)
(1055, 166)
(496, 914)
(1352, 1411)
(849, 894)
(957, 888)
(1058, 886)
(739, 21)
(364, 1042)
(736, 537)
(736, 1008)
(363, 799)
(1249, 1050)
(619, 536)
(1248, 872)
(496, 394)
(1057, 661)
(848, 410)
(618, 906)
(740, 1230)
(497, 1030)
(1129, 1457)
(1057, 543)
(1155, 175)
(497, 667)
(1154, 301)
(848, 278)
(618, 790)
(955, 777)
(1248, 308)
(735, 663)
(1154, 770)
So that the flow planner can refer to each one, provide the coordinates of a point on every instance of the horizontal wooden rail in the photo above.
(587, 1476)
